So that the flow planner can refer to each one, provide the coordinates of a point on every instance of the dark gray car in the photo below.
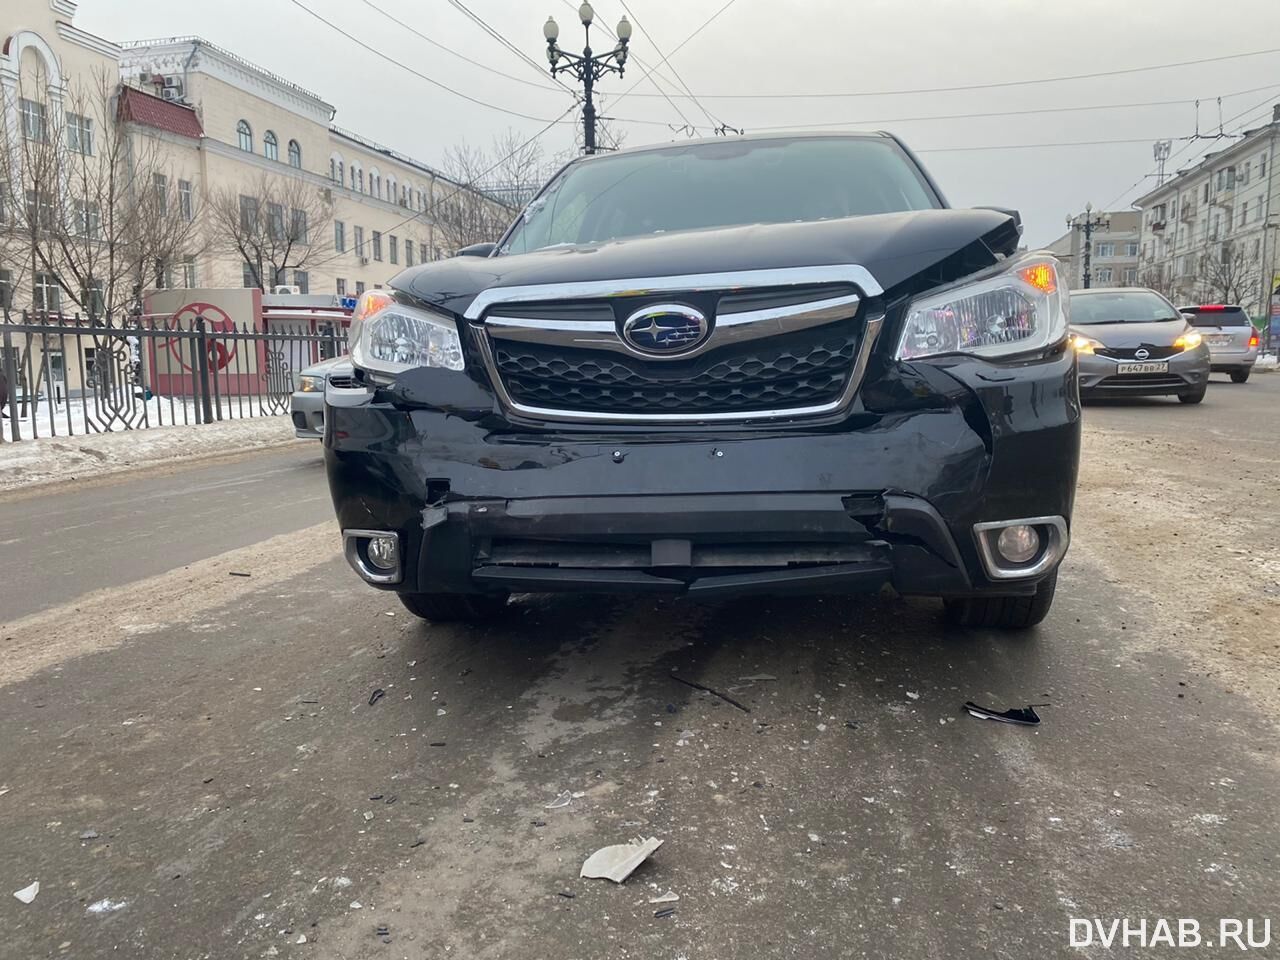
(1132, 342)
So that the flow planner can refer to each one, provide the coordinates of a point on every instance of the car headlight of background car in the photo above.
(1017, 309)
(390, 337)
(311, 384)
(1085, 344)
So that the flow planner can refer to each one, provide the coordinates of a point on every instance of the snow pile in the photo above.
(31, 462)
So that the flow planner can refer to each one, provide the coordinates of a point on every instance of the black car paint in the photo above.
(928, 448)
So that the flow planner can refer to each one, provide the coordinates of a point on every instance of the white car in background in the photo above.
(307, 405)
(1232, 340)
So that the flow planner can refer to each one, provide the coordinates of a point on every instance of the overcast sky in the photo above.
(763, 47)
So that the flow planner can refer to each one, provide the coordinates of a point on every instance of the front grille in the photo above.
(802, 369)
(1128, 353)
(343, 382)
(1145, 380)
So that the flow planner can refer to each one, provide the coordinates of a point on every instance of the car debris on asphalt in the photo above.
(715, 693)
(617, 862)
(1026, 716)
(664, 912)
(28, 893)
(377, 695)
(105, 905)
(669, 897)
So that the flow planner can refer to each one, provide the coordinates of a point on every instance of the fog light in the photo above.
(384, 552)
(1019, 543)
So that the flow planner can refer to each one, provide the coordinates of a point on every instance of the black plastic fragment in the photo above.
(1026, 716)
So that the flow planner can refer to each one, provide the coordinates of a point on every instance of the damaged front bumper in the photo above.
(890, 494)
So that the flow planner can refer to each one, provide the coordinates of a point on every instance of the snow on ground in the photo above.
(78, 418)
(53, 459)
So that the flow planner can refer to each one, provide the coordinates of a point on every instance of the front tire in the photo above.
(1240, 376)
(1195, 397)
(453, 607)
(1005, 613)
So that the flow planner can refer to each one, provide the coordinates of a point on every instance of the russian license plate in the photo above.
(1218, 339)
(1148, 367)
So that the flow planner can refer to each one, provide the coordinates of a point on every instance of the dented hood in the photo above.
(894, 248)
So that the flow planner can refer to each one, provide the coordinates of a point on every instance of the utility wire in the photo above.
(706, 23)
(417, 73)
(973, 86)
(666, 61)
(478, 20)
(433, 207)
(449, 50)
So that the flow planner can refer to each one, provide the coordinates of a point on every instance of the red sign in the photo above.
(216, 321)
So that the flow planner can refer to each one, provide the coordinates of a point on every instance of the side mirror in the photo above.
(478, 250)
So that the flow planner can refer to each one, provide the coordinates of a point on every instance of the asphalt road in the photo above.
(91, 536)
(197, 773)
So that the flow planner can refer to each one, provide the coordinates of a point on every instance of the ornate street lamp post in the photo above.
(588, 68)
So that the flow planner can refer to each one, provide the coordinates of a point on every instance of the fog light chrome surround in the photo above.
(1053, 544)
(355, 545)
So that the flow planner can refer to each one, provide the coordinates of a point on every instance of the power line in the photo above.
(974, 86)
(416, 73)
(706, 23)
(440, 46)
(666, 61)
(433, 207)
(460, 6)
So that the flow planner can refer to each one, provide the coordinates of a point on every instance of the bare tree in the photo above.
(489, 188)
(1228, 274)
(283, 223)
(96, 219)
(1156, 278)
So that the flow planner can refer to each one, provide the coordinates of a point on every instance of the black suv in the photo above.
(738, 366)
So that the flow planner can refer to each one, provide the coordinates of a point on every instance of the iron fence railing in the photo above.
(72, 375)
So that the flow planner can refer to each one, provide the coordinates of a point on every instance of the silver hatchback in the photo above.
(1232, 340)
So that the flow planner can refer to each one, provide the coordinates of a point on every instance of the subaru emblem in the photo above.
(665, 330)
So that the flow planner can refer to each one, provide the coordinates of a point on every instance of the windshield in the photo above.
(727, 183)
(1127, 306)
(1215, 316)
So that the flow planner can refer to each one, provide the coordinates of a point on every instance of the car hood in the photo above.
(1160, 333)
(941, 245)
(323, 368)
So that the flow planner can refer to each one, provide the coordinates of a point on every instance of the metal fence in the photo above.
(71, 375)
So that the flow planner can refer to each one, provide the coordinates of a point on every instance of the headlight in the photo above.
(390, 337)
(1018, 308)
(1083, 344)
(311, 384)
(1188, 341)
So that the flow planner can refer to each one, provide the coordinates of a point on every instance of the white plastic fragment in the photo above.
(27, 894)
(105, 905)
(563, 800)
(759, 678)
(669, 897)
(618, 861)
(302, 938)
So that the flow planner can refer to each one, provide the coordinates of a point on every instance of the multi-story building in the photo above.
(230, 148)
(1209, 232)
(1113, 253)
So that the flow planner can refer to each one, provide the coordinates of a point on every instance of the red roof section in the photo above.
(143, 108)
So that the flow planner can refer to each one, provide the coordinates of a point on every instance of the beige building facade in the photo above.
(217, 126)
(1113, 250)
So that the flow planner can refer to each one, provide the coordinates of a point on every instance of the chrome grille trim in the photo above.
(729, 329)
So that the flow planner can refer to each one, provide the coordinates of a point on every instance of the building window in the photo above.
(360, 180)
(160, 188)
(6, 289)
(39, 210)
(270, 145)
(422, 253)
(189, 272)
(408, 253)
(1244, 213)
(275, 221)
(33, 120)
(248, 276)
(249, 215)
(1105, 250)
(163, 281)
(298, 226)
(46, 295)
(333, 170)
(1262, 166)
(359, 287)
(302, 280)
(1131, 248)
(339, 236)
(80, 134)
(1131, 277)
(377, 246)
(359, 238)
(295, 155)
(1206, 192)
(245, 133)
(342, 287)
(88, 219)
(92, 298)
(1102, 275)
(393, 249)
(186, 207)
